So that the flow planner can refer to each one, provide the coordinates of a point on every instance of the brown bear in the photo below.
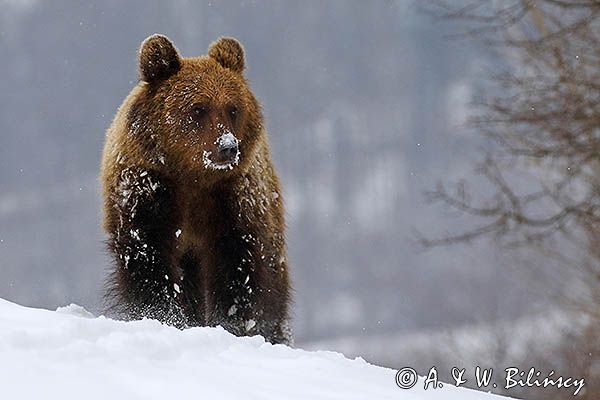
(192, 203)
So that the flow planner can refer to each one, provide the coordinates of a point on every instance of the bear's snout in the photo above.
(227, 148)
(226, 154)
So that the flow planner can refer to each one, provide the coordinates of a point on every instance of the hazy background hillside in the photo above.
(365, 104)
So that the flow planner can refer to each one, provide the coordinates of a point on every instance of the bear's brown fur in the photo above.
(192, 203)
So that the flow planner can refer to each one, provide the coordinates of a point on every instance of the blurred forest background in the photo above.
(374, 110)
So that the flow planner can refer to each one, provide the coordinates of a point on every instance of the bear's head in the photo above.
(197, 114)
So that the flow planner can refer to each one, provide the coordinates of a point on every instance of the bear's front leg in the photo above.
(141, 224)
(249, 295)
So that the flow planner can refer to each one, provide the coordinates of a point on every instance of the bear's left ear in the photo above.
(159, 58)
(228, 52)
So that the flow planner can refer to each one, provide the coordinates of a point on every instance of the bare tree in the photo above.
(542, 117)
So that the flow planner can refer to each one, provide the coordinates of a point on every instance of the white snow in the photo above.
(250, 324)
(232, 310)
(70, 354)
(226, 139)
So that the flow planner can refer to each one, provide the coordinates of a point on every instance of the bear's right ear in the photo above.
(159, 58)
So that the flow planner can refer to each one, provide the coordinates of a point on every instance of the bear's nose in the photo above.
(228, 151)
(227, 147)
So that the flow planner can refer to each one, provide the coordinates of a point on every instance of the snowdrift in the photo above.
(70, 354)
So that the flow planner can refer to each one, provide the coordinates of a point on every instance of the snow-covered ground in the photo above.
(70, 354)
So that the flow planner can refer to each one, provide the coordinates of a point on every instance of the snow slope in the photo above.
(69, 354)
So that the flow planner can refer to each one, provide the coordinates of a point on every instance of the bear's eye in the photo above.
(232, 111)
(199, 111)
